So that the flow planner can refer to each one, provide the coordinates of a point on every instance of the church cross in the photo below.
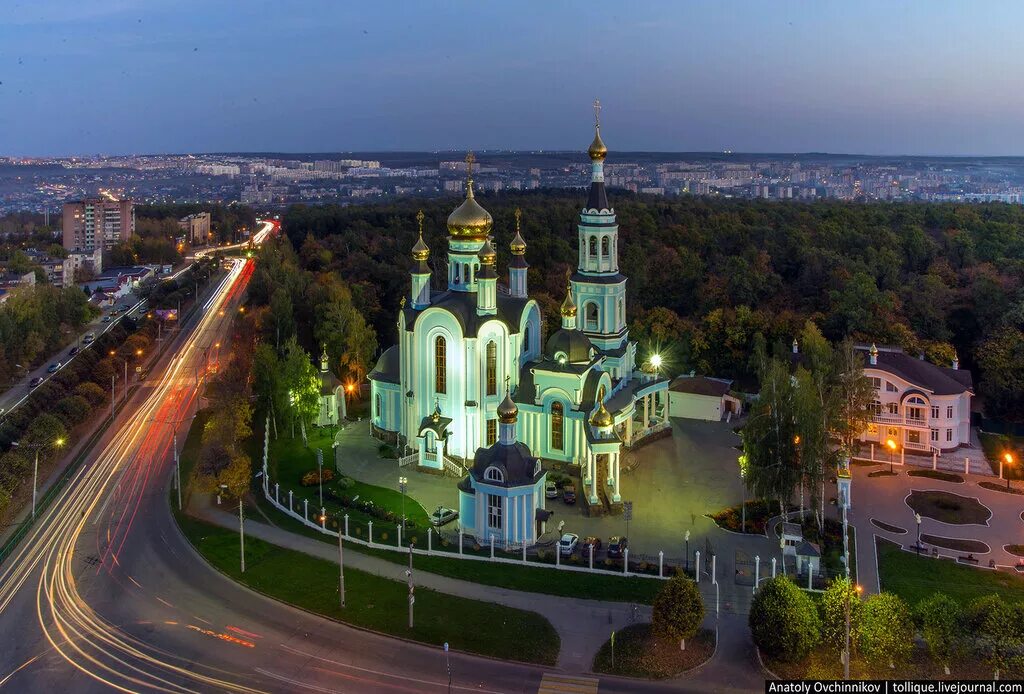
(419, 218)
(597, 112)
(519, 214)
(470, 158)
(507, 379)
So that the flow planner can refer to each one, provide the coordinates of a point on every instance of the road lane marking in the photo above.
(557, 684)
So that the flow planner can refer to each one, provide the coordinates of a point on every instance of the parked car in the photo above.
(551, 490)
(54, 367)
(567, 545)
(73, 352)
(591, 541)
(35, 381)
(89, 337)
(616, 546)
(569, 494)
(443, 516)
(107, 319)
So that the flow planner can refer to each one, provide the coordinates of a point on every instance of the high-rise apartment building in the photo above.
(196, 227)
(97, 223)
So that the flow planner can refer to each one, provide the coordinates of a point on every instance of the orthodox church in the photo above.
(579, 396)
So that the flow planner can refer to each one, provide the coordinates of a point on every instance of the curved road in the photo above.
(105, 594)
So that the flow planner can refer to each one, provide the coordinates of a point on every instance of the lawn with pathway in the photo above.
(914, 578)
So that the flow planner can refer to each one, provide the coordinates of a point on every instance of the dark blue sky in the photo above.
(123, 76)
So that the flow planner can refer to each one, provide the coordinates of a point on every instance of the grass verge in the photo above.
(996, 487)
(376, 603)
(949, 508)
(914, 578)
(638, 653)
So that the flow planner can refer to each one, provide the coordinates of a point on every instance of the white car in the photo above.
(551, 490)
(567, 545)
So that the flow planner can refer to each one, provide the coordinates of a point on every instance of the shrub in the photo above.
(91, 392)
(833, 615)
(72, 410)
(344, 482)
(886, 630)
(312, 479)
(939, 618)
(999, 638)
(783, 620)
(678, 611)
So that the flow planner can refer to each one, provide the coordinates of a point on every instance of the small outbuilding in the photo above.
(701, 397)
(808, 557)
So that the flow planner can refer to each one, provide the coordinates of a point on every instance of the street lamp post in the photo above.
(687, 550)
(57, 443)
(917, 519)
(402, 486)
(320, 473)
(782, 551)
(1008, 457)
(241, 527)
(412, 590)
(341, 565)
(891, 445)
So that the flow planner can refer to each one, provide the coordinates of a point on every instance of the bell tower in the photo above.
(599, 288)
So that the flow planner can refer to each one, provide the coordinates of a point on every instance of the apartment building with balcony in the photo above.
(923, 407)
(97, 223)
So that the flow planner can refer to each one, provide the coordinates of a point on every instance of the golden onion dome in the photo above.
(568, 305)
(507, 410)
(874, 350)
(487, 255)
(420, 251)
(597, 149)
(518, 244)
(469, 220)
(602, 418)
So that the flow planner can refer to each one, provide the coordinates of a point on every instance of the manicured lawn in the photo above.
(996, 445)
(638, 653)
(888, 526)
(377, 603)
(1000, 487)
(936, 475)
(914, 578)
(290, 460)
(949, 508)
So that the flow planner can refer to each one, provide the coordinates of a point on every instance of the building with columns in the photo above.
(580, 396)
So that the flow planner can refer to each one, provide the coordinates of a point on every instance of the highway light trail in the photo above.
(120, 472)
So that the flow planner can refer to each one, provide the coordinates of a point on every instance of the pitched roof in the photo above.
(700, 385)
(923, 374)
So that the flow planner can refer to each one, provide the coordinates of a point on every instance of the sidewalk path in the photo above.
(583, 625)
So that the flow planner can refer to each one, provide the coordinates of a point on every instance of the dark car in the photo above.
(569, 494)
(54, 367)
(443, 516)
(589, 542)
(73, 352)
(617, 546)
(35, 381)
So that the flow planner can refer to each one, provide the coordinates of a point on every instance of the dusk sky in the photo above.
(152, 76)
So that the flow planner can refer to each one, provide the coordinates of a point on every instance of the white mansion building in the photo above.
(921, 406)
(579, 395)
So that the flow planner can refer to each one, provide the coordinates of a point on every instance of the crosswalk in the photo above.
(565, 684)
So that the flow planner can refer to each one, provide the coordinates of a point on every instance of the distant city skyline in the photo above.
(155, 76)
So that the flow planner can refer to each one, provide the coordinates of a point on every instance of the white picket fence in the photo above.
(319, 522)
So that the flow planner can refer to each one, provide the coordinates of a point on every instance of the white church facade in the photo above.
(580, 394)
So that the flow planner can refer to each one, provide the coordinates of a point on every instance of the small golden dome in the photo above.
(507, 410)
(568, 305)
(874, 349)
(420, 251)
(597, 149)
(487, 255)
(518, 244)
(602, 418)
(435, 416)
(470, 220)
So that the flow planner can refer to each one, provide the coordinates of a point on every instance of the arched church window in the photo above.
(440, 365)
(376, 405)
(557, 427)
(493, 474)
(526, 338)
(622, 312)
(492, 368)
(590, 315)
(604, 246)
(593, 245)
(458, 273)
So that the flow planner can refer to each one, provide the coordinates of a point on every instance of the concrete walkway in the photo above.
(883, 499)
(582, 625)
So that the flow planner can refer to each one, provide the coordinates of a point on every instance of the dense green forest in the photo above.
(707, 275)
